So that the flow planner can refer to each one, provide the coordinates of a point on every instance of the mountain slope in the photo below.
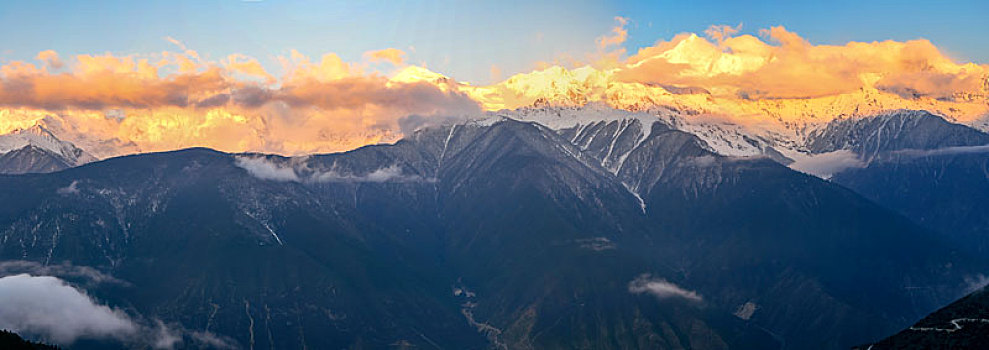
(962, 325)
(204, 244)
(745, 222)
(688, 187)
(944, 191)
(898, 130)
(532, 230)
(932, 171)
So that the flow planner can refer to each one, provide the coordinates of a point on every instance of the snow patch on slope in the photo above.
(559, 118)
(825, 165)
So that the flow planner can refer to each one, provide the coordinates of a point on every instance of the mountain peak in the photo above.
(37, 130)
(37, 145)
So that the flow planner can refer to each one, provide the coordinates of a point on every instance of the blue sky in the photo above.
(461, 38)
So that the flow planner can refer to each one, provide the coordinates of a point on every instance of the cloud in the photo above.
(72, 188)
(703, 161)
(264, 169)
(721, 32)
(329, 68)
(107, 81)
(177, 100)
(597, 244)
(247, 66)
(974, 283)
(112, 104)
(660, 288)
(411, 123)
(392, 55)
(617, 37)
(290, 170)
(79, 274)
(164, 337)
(99, 82)
(495, 73)
(942, 151)
(787, 66)
(50, 57)
(175, 42)
(825, 165)
(391, 173)
(212, 341)
(48, 307)
(742, 75)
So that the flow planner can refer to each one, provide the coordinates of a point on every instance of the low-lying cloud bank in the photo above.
(392, 173)
(264, 169)
(825, 165)
(661, 288)
(943, 151)
(49, 308)
(66, 271)
(288, 171)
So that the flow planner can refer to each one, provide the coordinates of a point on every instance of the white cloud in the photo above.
(164, 337)
(596, 243)
(392, 173)
(825, 165)
(211, 341)
(943, 151)
(703, 161)
(47, 306)
(77, 274)
(660, 288)
(976, 282)
(50, 308)
(265, 169)
(72, 188)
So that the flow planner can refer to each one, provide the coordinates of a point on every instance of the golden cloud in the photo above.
(787, 66)
(617, 37)
(50, 57)
(392, 55)
(112, 105)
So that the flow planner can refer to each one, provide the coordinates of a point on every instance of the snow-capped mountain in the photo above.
(730, 125)
(609, 133)
(891, 131)
(905, 160)
(37, 150)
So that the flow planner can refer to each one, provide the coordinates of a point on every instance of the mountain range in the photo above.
(542, 227)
